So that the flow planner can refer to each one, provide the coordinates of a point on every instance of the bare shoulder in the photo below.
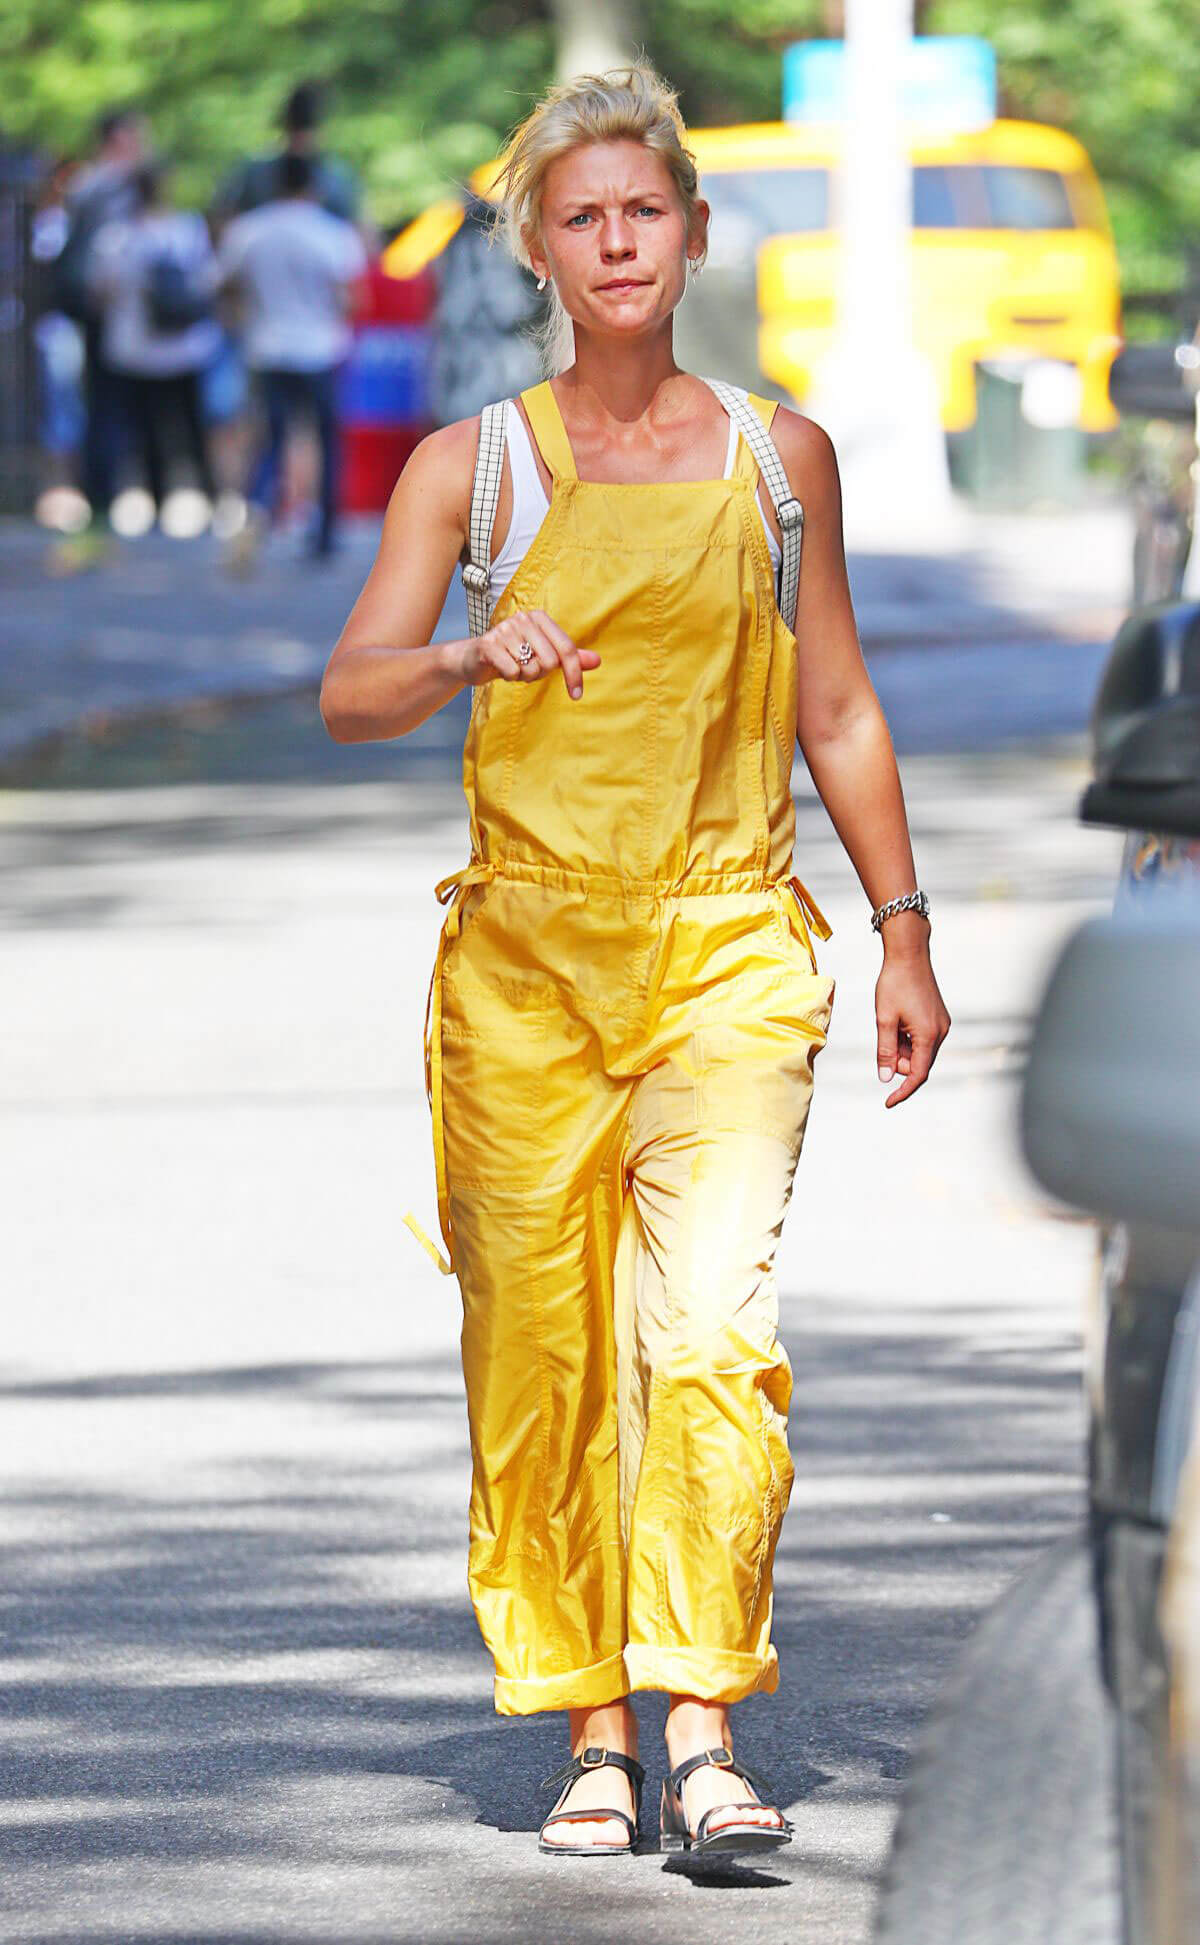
(808, 457)
(438, 474)
(446, 455)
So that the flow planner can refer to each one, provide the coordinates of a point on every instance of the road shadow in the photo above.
(185, 1666)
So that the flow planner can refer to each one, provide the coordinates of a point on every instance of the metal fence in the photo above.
(18, 306)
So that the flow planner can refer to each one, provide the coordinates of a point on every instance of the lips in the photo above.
(625, 283)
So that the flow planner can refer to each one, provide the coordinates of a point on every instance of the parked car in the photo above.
(1055, 1796)
(1153, 387)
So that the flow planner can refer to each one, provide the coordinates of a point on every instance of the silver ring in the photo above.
(525, 654)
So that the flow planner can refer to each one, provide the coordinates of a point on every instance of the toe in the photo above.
(605, 1832)
(742, 1813)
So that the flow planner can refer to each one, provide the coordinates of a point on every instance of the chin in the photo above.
(632, 316)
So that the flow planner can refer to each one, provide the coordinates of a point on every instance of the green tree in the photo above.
(420, 88)
(424, 89)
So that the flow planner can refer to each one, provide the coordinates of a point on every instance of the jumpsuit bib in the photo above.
(624, 1015)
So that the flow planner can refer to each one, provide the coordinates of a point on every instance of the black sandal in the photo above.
(675, 1834)
(594, 1757)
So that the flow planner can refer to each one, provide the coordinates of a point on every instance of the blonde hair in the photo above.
(624, 104)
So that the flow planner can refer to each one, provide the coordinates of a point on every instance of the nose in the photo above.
(616, 238)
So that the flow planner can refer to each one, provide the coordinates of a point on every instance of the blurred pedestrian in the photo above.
(101, 191)
(154, 276)
(260, 179)
(58, 342)
(293, 267)
(626, 1003)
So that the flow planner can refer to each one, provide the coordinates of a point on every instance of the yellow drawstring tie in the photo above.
(452, 891)
(806, 908)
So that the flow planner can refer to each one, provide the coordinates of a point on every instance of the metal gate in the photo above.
(18, 370)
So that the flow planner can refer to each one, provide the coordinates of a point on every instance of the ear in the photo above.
(537, 256)
(697, 243)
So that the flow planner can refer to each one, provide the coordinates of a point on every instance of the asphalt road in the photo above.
(160, 666)
(245, 1696)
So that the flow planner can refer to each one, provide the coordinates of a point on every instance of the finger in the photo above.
(922, 1061)
(569, 656)
(523, 628)
(504, 663)
(887, 1033)
(564, 650)
(559, 636)
(589, 658)
(572, 672)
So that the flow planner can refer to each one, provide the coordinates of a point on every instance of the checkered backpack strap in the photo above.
(485, 493)
(788, 509)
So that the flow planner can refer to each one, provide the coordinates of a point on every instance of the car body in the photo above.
(1012, 258)
(1066, 1807)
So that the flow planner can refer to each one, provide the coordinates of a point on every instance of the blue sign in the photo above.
(949, 82)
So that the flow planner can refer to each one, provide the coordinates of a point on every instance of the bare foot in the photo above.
(612, 1727)
(694, 1725)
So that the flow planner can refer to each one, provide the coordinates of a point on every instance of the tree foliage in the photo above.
(420, 88)
(424, 89)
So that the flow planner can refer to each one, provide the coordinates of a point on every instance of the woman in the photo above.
(154, 275)
(626, 1006)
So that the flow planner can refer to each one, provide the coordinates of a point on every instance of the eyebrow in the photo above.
(634, 196)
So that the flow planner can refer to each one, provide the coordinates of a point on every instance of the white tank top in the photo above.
(530, 505)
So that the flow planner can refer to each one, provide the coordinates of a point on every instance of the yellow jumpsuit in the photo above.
(624, 1016)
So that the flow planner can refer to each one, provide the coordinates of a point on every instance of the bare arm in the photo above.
(840, 725)
(847, 745)
(385, 675)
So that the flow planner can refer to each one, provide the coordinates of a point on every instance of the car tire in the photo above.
(1007, 1832)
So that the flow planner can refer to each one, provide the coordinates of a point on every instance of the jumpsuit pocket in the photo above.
(794, 939)
(806, 993)
(797, 917)
(754, 1075)
(514, 1062)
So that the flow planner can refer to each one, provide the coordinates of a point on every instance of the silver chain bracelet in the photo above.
(912, 901)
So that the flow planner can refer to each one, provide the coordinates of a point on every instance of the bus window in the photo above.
(749, 205)
(1026, 199)
(934, 205)
(990, 196)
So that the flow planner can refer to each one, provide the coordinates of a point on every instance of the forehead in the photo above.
(606, 171)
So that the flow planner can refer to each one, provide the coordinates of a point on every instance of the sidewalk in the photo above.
(161, 625)
(246, 1696)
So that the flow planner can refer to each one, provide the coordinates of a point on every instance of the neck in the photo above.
(615, 381)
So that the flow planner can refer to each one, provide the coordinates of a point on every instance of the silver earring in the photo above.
(541, 283)
(695, 266)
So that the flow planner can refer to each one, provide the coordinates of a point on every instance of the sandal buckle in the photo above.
(593, 1757)
(720, 1758)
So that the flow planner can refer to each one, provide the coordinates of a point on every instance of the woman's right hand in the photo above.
(492, 656)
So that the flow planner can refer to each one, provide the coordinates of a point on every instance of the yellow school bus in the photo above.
(1012, 254)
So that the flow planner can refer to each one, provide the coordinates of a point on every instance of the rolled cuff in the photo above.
(713, 1675)
(578, 1688)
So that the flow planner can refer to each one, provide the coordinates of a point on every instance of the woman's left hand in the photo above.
(911, 1018)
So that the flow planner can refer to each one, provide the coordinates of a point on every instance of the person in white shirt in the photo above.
(294, 266)
(99, 192)
(154, 275)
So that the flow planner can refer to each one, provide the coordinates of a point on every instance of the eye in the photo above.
(580, 216)
(649, 209)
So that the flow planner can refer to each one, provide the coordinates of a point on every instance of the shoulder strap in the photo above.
(541, 409)
(788, 509)
(485, 493)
